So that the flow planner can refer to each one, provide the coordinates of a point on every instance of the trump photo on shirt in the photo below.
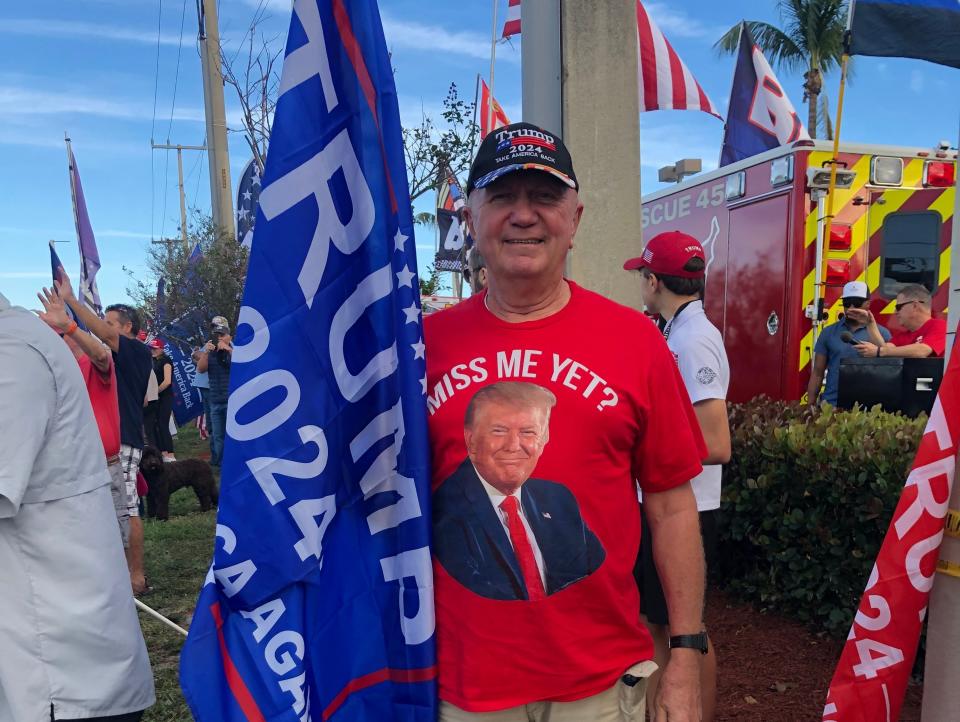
(498, 531)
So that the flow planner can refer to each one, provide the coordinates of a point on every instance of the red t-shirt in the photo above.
(102, 390)
(621, 414)
(933, 333)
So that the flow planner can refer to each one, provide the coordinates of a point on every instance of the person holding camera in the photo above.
(214, 360)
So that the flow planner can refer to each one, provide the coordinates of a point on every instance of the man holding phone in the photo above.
(214, 360)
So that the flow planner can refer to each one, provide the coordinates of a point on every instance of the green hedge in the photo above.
(807, 498)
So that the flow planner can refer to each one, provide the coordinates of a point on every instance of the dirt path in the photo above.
(773, 669)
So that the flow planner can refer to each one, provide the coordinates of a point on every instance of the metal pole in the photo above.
(541, 63)
(221, 195)
(833, 163)
(493, 58)
(953, 299)
(818, 293)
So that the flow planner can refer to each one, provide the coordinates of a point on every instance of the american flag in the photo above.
(248, 194)
(512, 24)
(665, 81)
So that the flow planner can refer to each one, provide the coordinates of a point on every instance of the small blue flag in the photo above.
(923, 29)
(319, 601)
(56, 270)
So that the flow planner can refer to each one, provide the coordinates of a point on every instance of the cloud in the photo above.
(666, 143)
(916, 81)
(37, 27)
(18, 101)
(435, 39)
(25, 274)
(53, 140)
(675, 23)
(109, 233)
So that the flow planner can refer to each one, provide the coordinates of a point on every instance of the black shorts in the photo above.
(652, 602)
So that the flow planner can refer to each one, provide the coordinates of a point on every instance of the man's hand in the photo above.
(54, 310)
(64, 288)
(860, 315)
(225, 343)
(678, 694)
(866, 349)
(208, 347)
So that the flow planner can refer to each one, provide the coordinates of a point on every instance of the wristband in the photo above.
(71, 328)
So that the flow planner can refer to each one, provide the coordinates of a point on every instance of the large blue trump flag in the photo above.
(319, 602)
(924, 29)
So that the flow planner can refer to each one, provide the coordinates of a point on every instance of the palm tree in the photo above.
(811, 39)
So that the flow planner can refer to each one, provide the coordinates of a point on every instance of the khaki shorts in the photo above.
(118, 490)
(623, 702)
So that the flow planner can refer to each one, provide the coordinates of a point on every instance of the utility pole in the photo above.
(183, 200)
(221, 194)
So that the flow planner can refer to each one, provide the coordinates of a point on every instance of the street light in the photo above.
(678, 171)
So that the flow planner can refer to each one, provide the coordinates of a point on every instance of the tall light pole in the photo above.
(221, 193)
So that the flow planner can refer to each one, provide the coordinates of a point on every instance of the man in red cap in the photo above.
(673, 274)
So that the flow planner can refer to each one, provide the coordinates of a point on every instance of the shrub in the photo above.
(807, 499)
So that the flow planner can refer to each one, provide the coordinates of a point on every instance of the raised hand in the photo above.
(54, 309)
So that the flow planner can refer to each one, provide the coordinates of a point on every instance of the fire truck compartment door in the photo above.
(755, 324)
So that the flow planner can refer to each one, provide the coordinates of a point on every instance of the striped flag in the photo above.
(202, 426)
(512, 24)
(491, 114)
(665, 81)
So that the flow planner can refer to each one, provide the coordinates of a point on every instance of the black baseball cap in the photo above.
(520, 146)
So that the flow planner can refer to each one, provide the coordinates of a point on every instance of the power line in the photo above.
(176, 76)
(153, 122)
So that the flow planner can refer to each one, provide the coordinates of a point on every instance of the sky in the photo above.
(116, 73)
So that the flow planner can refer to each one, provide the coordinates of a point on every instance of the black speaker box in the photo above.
(908, 385)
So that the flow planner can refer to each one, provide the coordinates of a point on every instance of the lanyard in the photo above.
(669, 327)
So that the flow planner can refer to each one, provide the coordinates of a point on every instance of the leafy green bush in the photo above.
(807, 499)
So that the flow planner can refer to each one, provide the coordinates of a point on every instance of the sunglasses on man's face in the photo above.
(901, 306)
(854, 302)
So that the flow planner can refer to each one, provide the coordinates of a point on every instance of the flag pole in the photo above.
(493, 59)
(476, 101)
(824, 240)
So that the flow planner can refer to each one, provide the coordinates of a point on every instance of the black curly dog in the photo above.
(165, 478)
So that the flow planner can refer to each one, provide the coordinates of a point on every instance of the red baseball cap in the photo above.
(156, 343)
(667, 253)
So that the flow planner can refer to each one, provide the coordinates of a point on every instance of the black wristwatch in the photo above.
(690, 641)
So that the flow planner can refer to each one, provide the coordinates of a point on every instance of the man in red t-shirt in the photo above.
(922, 336)
(96, 365)
(547, 403)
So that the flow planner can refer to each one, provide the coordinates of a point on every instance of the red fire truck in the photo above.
(761, 222)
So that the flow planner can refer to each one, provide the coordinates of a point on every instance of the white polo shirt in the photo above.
(69, 633)
(698, 349)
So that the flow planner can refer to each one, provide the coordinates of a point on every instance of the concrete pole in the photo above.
(221, 194)
(941, 667)
(601, 127)
(541, 63)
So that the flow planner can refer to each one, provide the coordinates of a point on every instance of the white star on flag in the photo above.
(256, 179)
(247, 195)
(404, 277)
(418, 349)
(399, 240)
(413, 313)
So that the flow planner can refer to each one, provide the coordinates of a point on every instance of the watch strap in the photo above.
(690, 641)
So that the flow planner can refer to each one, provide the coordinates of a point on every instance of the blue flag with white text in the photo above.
(319, 601)
(923, 29)
(187, 404)
(760, 116)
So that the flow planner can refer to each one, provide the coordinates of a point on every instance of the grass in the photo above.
(177, 555)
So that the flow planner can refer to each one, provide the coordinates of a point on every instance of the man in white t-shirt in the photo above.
(71, 648)
(673, 274)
